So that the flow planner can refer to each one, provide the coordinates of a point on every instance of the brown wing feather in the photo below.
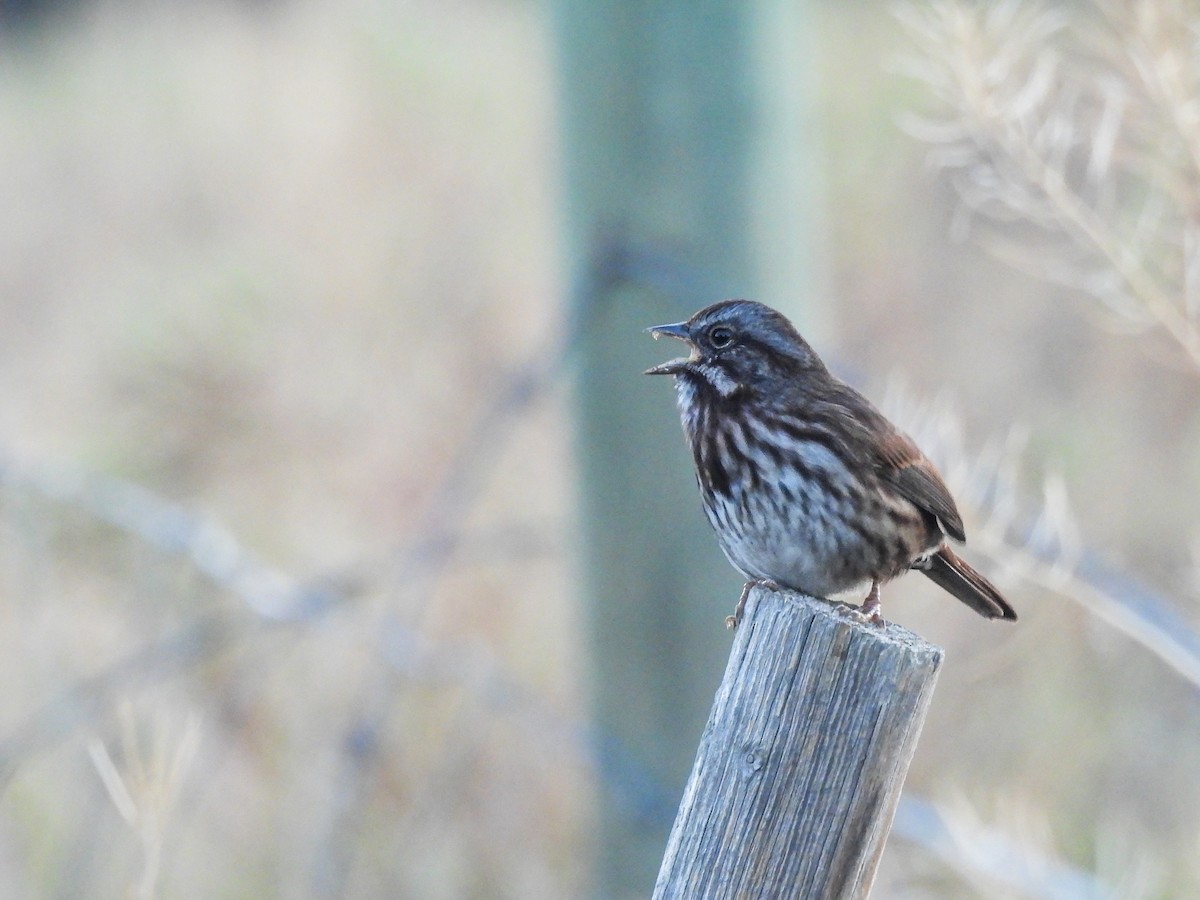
(907, 469)
(896, 459)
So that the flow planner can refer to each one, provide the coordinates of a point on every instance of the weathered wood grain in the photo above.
(800, 766)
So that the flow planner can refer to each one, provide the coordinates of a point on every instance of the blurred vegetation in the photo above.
(292, 268)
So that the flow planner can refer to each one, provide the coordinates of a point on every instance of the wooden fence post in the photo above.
(800, 766)
(689, 175)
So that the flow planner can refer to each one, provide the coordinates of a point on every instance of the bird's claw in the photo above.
(868, 618)
(732, 622)
(862, 615)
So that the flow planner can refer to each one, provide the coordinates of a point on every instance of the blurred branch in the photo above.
(271, 598)
(410, 656)
(415, 574)
(176, 531)
(986, 857)
(1045, 548)
(619, 262)
(1096, 143)
(88, 699)
(438, 533)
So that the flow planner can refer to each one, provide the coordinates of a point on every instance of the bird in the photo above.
(808, 486)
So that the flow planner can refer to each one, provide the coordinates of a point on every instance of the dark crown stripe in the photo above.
(773, 353)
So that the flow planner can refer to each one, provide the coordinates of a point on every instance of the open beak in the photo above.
(679, 331)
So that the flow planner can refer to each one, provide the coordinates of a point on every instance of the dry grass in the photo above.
(272, 265)
(1084, 128)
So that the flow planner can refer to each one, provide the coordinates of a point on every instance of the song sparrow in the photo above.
(807, 485)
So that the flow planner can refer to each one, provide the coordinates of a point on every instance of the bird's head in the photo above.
(736, 344)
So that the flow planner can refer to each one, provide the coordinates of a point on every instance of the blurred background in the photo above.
(300, 595)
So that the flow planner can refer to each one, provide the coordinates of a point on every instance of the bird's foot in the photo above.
(869, 613)
(860, 615)
(735, 620)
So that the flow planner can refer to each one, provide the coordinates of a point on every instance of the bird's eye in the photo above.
(720, 337)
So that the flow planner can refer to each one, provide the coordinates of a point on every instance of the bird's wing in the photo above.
(875, 441)
(905, 467)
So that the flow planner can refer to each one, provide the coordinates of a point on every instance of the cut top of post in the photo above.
(800, 766)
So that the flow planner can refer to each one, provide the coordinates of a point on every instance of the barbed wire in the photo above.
(271, 599)
(413, 657)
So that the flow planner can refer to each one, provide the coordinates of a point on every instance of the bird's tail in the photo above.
(946, 569)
